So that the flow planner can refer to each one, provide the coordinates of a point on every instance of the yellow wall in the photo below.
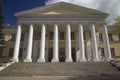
(10, 44)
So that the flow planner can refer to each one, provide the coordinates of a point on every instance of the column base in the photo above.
(27, 60)
(108, 59)
(55, 60)
(15, 60)
(68, 60)
(41, 60)
(96, 60)
(82, 60)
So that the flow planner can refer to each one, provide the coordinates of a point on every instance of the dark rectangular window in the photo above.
(102, 52)
(72, 36)
(112, 52)
(22, 37)
(61, 35)
(10, 52)
(100, 37)
(1, 35)
(50, 54)
(40, 35)
(13, 37)
(110, 37)
(37, 36)
(119, 36)
(51, 35)
(1, 51)
(21, 52)
(62, 53)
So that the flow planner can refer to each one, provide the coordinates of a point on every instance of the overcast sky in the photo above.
(109, 6)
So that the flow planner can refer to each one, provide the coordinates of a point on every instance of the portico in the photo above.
(62, 34)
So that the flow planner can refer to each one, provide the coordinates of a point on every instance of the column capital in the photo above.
(55, 25)
(68, 24)
(32, 24)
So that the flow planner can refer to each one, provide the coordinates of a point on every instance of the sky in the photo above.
(10, 7)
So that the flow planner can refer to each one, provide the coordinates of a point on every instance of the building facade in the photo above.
(61, 32)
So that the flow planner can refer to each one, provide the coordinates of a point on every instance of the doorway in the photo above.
(62, 54)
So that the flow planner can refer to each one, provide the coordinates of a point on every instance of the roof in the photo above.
(61, 5)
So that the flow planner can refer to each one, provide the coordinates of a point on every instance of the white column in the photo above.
(42, 45)
(81, 44)
(55, 45)
(17, 45)
(68, 44)
(94, 44)
(29, 45)
(106, 43)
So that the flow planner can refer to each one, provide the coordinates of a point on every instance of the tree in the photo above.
(1, 27)
(117, 23)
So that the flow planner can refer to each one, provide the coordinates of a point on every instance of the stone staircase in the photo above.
(82, 70)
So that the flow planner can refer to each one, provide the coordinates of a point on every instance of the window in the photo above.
(119, 36)
(37, 36)
(72, 36)
(50, 54)
(13, 37)
(51, 35)
(102, 52)
(61, 54)
(21, 52)
(1, 51)
(40, 35)
(38, 53)
(110, 37)
(73, 50)
(22, 37)
(100, 37)
(10, 52)
(112, 52)
(61, 35)
(73, 54)
(62, 51)
(1, 35)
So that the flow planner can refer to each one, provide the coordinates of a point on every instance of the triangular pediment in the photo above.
(60, 8)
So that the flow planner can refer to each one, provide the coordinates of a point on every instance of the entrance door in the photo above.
(50, 56)
(73, 54)
(62, 54)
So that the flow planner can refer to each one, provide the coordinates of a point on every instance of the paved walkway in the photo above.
(59, 78)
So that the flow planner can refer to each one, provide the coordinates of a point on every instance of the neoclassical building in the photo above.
(60, 32)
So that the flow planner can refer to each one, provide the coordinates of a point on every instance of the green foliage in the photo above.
(1, 17)
(1, 27)
(117, 23)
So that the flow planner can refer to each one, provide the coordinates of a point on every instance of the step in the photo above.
(61, 69)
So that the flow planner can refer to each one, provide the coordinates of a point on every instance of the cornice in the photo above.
(62, 16)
